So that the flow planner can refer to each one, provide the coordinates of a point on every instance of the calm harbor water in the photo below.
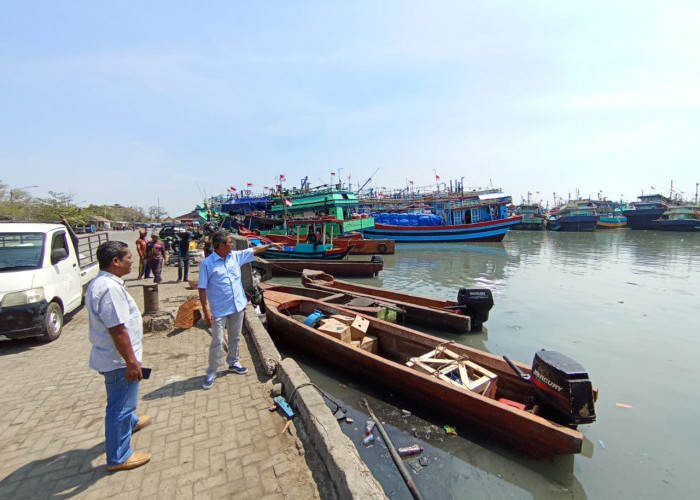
(622, 303)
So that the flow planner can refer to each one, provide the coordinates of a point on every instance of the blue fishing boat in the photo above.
(649, 208)
(480, 216)
(681, 218)
(576, 216)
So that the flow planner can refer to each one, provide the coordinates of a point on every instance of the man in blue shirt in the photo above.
(223, 299)
(116, 332)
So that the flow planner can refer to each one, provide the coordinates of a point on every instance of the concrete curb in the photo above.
(350, 475)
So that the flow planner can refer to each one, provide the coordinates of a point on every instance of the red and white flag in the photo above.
(437, 177)
(233, 188)
(250, 184)
(282, 177)
(332, 173)
(288, 202)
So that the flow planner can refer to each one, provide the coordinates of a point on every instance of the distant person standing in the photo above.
(141, 242)
(155, 251)
(183, 256)
(223, 300)
(116, 332)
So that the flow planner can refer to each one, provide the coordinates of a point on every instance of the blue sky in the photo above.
(141, 103)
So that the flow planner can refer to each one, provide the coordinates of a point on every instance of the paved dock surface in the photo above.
(220, 443)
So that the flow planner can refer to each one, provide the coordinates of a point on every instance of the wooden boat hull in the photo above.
(529, 433)
(480, 231)
(334, 254)
(345, 268)
(420, 310)
(360, 245)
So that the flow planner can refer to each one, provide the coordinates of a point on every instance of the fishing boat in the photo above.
(680, 218)
(301, 251)
(467, 313)
(480, 216)
(533, 217)
(577, 216)
(332, 229)
(534, 409)
(650, 207)
(295, 267)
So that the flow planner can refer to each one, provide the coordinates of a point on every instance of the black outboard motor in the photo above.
(563, 392)
(376, 259)
(476, 303)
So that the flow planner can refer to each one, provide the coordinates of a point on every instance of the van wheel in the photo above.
(53, 322)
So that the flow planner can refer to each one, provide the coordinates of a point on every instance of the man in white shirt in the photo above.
(116, 331)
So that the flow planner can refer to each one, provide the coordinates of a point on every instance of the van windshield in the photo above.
(21, 250)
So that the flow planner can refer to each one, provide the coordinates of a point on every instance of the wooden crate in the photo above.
(336, 329)
(347, 320)
(359, 327)
(454, 369)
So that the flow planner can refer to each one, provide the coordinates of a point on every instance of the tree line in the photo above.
(18, 204)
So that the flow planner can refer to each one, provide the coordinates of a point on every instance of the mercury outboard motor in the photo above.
(563, 392)
(476, 303)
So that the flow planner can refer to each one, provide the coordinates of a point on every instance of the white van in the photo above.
(44, 271)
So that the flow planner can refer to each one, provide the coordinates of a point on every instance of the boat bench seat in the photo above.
(455, 369)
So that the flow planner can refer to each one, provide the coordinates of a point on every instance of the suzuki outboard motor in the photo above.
(562, 390)
(476, 303)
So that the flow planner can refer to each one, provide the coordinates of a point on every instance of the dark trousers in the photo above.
(183, 262)
(157, 268)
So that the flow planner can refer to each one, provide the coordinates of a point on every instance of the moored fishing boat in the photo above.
(649, 208)
(467, 313)
(482, 216)
(533, 217)
(299, 229)
(577, 216)
(533, 410)
(681, 218)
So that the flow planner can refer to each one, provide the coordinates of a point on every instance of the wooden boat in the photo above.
(366, 305)
(481, 216)
(533, 217)
(345, 268)
(333, 232)
(648, 209)
(446, 315)
(301, 251)
(575, 216)
(680, 218)
(476, 389)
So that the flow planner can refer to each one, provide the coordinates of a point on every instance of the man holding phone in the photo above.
(116, 332)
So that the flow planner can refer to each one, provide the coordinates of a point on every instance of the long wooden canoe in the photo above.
(397, 347)
(346, 268)
(420, 310)
(367, 305)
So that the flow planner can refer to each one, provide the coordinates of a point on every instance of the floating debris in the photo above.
(623, 405)
(368, 440)
(406, 413)
(349, 420)
(370, 425)
(414, 449)
(449, 429)
(602, 444)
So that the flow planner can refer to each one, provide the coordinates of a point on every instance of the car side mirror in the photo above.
(57, 255)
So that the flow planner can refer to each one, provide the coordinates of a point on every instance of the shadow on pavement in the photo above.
(53, 477)
(177, 388)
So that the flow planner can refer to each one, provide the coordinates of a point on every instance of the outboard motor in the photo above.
(476, 303)
(376, 259)
(562, 390)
